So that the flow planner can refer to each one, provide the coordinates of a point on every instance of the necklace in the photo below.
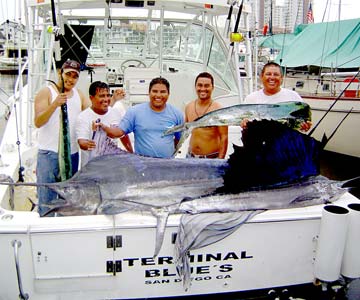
(204, 112)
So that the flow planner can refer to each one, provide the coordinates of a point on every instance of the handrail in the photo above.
(19, 78)
(17, 244)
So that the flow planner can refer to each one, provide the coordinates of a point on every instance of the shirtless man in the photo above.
(206, 142)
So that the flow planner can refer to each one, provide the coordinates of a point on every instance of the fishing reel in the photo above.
(54, 30)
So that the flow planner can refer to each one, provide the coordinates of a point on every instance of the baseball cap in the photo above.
(71, 66)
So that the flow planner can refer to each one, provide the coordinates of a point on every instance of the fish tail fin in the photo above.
(162, 215)
(324, 140)
(353, 183)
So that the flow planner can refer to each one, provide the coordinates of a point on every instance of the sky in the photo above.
(350, 9)
(9, 9)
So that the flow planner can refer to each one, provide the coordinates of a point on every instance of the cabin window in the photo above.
(15, 53)
(299, 84)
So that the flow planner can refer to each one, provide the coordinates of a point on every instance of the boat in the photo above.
(14, 49)
(111, 256)
(12, 57)
(327, 78)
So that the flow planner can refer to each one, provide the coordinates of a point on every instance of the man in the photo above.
(149, 120)
(100, 110)
(206, 142)
(272, 92)
(47, 114)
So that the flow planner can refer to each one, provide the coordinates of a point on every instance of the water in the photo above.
(7, 85)
(7, 82)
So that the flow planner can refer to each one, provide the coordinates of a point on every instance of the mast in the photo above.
(271, 18)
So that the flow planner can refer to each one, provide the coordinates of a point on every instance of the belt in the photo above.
(211, 155)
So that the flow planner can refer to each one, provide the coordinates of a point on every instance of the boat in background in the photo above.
(335, 96)
(14, 48)
(326, 75)
(111, 256)
(13, 57)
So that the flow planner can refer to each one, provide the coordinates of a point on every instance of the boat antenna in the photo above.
(332, 105)
(271, 18)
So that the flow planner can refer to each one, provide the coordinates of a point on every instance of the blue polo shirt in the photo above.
(148, 127)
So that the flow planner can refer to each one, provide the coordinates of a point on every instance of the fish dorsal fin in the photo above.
(272, 154)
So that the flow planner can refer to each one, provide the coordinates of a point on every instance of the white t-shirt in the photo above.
(84, 124)
(285, 95)
(49, 133)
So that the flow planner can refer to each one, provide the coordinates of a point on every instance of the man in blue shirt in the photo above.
(149, 120)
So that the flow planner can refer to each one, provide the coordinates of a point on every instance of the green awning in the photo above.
(276, 41)
(330, 44)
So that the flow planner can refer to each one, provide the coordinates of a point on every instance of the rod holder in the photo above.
(331, 243)
(351, 261)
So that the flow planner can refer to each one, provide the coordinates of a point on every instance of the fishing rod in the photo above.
(333, 104)
(228, 19)
(56, 31)
(326, 139)
(237, 22)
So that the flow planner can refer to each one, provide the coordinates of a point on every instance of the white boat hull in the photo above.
(346, 140)
(72, 257)
(321, 95)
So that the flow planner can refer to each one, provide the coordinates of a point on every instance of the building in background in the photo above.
(280, 16)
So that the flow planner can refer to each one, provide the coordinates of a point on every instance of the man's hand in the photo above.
(86, 145)
(305, 126)
(118, 94)
(243, 123)
(60, 99)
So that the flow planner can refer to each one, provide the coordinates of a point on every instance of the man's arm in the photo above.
(112, 132)
(223, 130)
(44, 108)
(119, 94)
(85, 102)
(127, 143)
(83, 133)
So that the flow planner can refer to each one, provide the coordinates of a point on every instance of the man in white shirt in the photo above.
(100, 111)
(272, 92)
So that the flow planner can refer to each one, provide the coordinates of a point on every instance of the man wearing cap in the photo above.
(47, 116)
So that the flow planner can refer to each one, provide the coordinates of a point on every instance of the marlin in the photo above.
(115, 183)
(292, 113)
